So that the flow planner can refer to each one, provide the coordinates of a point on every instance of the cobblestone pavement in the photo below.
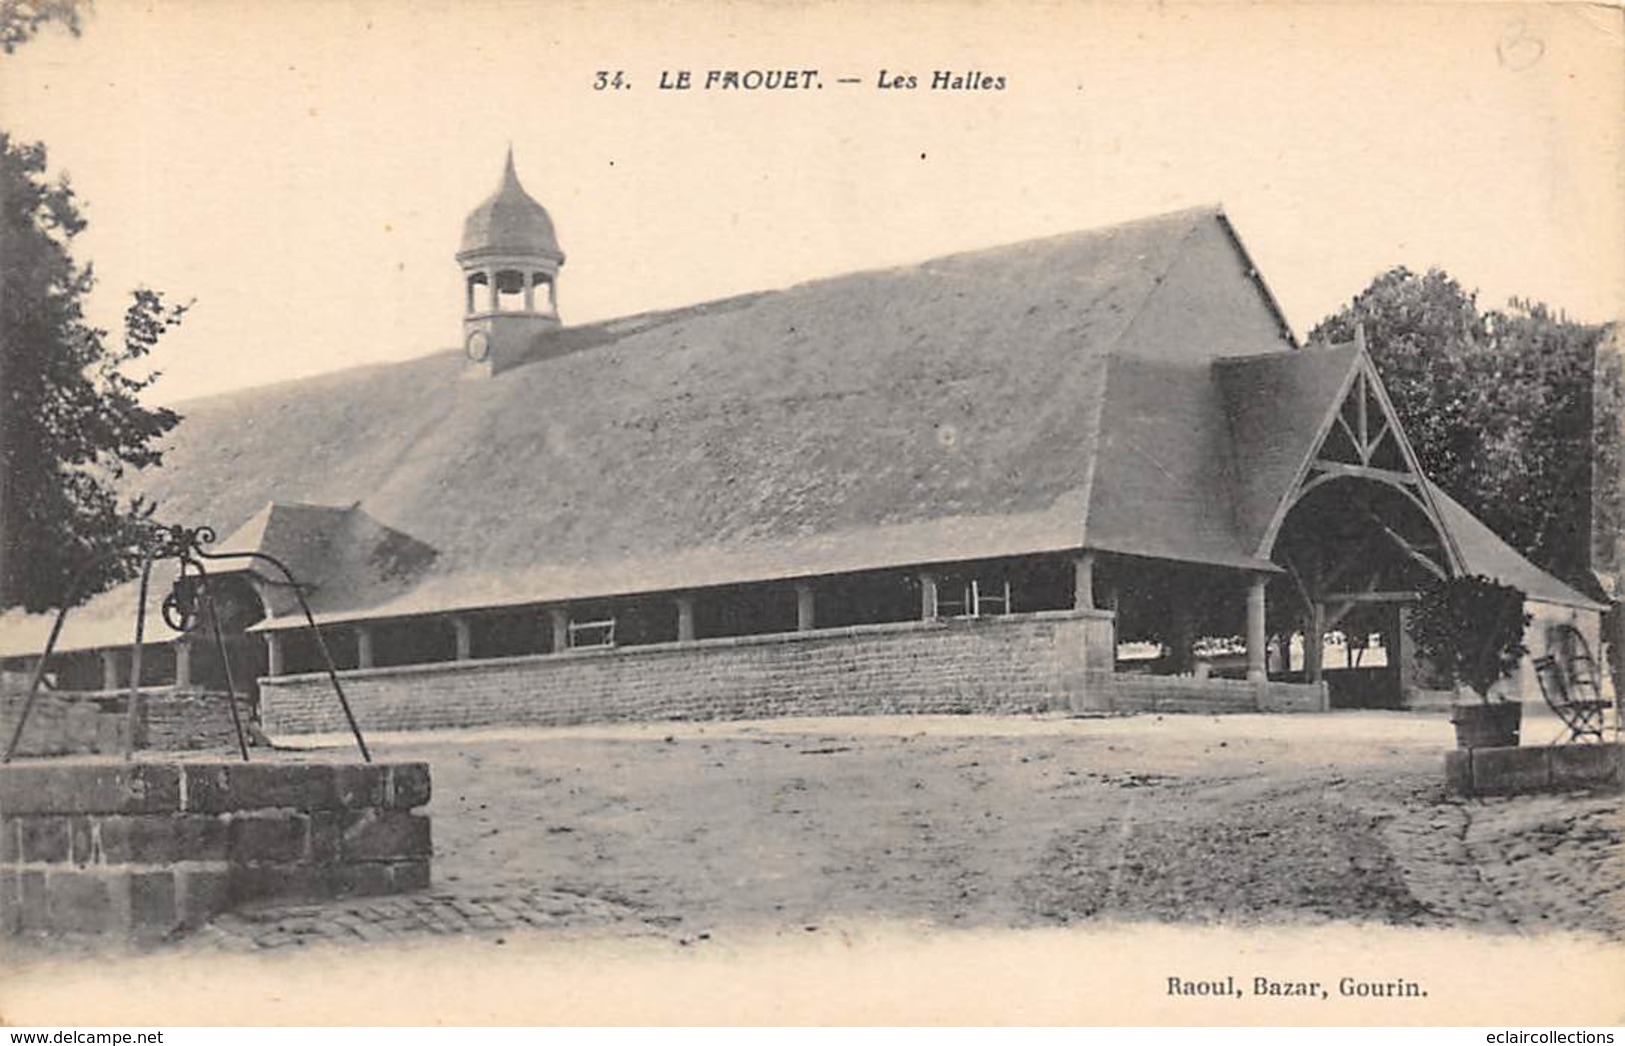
(429, 913)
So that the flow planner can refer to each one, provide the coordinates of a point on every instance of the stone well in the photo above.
(142, 849)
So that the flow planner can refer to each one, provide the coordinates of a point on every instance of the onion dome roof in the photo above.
(510, 221)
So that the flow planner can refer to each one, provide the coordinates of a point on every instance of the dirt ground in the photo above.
(706, 855)
(1017, 822)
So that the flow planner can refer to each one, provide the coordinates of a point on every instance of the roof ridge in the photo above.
(348, 373)
(658, 314)
(1187, 214)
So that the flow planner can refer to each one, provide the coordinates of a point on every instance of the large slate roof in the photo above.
(972, 406)
(941, 411)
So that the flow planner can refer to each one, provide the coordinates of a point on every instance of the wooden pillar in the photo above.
(1114, 604)
(465, 637)
(1083, 581)
(1182, 635)
(363, 647)
(273, 654)
(805, 608)
(928, 596)
(561, 628)
(110, 671)
(1404, 651)
(530, 291)
(1255, 629)
(183, 664)
(685, 619)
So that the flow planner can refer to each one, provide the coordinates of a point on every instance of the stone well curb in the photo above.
(143, 849)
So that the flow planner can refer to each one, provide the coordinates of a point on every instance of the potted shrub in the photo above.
(1474, 626)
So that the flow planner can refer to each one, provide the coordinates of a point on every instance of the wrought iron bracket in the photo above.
(189, 599)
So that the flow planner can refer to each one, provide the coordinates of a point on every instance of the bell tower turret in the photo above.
(510, 259)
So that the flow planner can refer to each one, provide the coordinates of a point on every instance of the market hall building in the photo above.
(955, 486)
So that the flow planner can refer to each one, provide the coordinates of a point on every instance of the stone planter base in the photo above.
(1517, 771)
(144, 849)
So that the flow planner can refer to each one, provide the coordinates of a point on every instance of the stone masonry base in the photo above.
(1516, 771)
(142, 849)
(1054, 661)
(65, 722)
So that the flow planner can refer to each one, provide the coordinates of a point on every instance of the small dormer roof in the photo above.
(510, 222)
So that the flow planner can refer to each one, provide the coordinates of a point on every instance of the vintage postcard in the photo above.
(813, 513)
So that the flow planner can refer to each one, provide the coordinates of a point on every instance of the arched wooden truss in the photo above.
(1363, 464)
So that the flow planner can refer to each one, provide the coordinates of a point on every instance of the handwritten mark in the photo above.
(1518, 48)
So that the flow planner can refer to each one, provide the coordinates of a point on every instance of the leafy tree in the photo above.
(71, 419)
(1608, 480)
(1499, 405)
(1474, 626)
(1608, 526)
(21, 19)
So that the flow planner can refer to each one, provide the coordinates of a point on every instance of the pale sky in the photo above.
(302, 169)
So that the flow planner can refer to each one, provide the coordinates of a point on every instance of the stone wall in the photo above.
(1021, 663)
(87, 723)
(192, 720)
(147, 848)
(67, 723)
(1148, 693)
